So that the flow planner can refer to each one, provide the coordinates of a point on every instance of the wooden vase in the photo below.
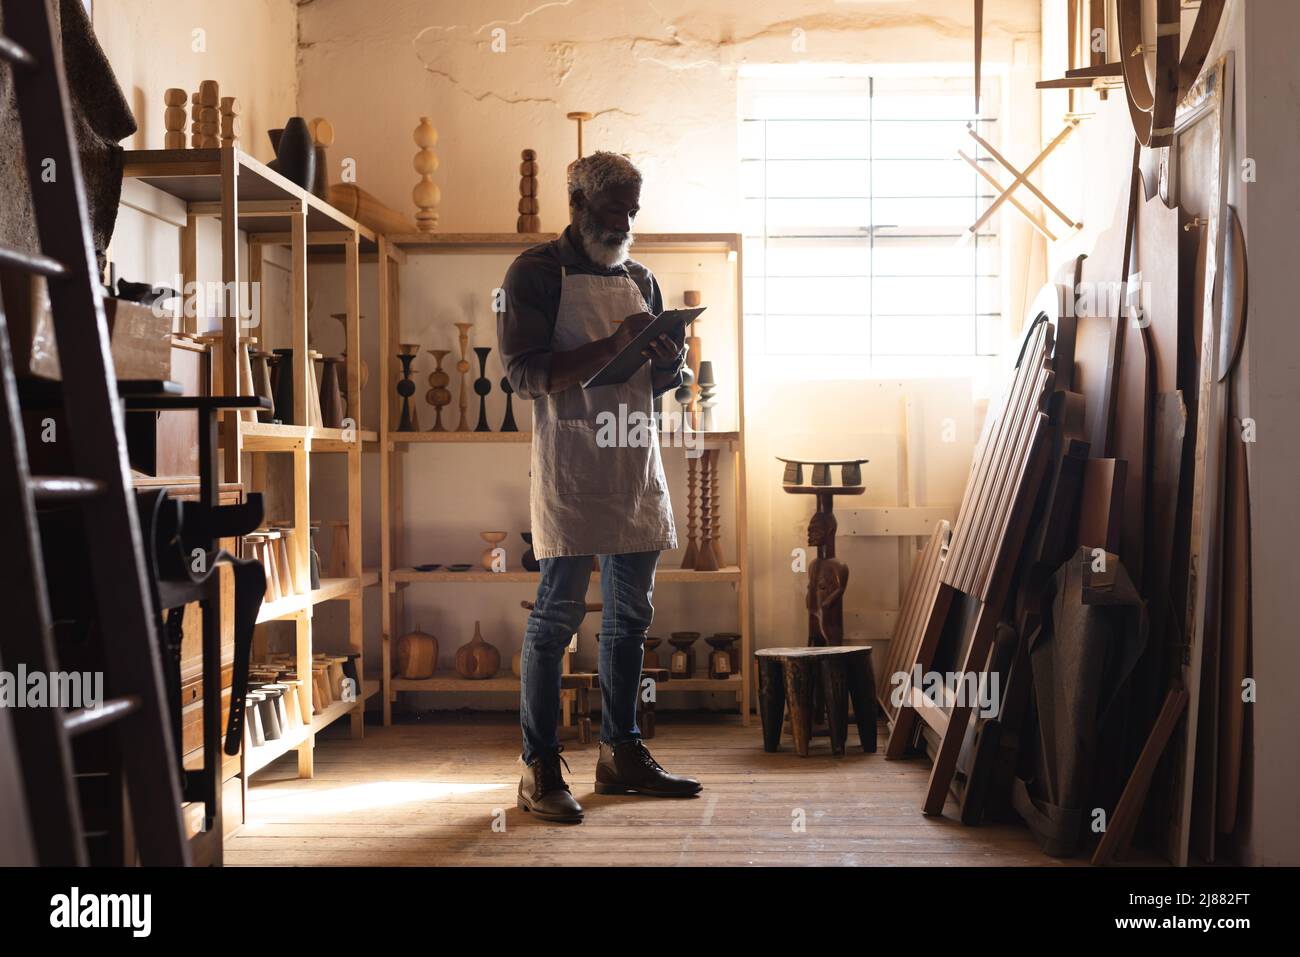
(262, 384)
(477, 659)
(331, 395)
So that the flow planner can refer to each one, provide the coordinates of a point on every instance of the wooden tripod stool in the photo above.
(570, 691)
(585, 682)
(787, 677)
(582, 683)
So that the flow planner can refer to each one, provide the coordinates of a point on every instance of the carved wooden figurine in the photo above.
(828, 577)
(174, 118)
(209, 114)
(231, 124)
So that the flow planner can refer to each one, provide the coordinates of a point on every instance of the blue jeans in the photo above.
(626, 585)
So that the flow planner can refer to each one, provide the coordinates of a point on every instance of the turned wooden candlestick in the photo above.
(706, 558)
(462, 366)
(694, 353)
(426, 194)
(438, 395)
(580, 118)
(689, 559)
(715, 501)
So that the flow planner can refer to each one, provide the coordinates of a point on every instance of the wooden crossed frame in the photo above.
(1021, 179)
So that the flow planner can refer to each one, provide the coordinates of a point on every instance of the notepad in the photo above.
(624, 365)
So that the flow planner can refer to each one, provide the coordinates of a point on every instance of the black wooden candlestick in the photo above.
(482, 386)
(508, 423)
(406, 389)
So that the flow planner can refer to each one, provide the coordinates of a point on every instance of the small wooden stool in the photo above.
(581, 682)
(787, 678)
(645, 710)
(584, 682)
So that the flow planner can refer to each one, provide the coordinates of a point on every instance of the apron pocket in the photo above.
(583, 467)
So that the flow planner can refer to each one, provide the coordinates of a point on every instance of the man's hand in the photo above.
(573, 366)
(664, 348)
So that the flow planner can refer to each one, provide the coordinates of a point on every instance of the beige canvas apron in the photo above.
(590, 497)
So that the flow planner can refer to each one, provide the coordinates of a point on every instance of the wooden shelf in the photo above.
(395, 444)
(272, 437)
(449, 681)
(416, 243)
(728, 573)
(472, 438)
(667, 440)
(256, 206)
(195, 177)
(331, 589)
(255, 759)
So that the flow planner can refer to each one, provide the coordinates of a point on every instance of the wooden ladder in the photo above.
(133, 715)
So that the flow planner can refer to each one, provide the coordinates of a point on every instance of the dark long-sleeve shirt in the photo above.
(532, 301)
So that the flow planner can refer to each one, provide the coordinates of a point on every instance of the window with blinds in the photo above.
(857, 208)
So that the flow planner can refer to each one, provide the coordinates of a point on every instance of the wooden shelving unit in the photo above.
(526, 438)
(395, 578)
(247, 196)
(405, 576)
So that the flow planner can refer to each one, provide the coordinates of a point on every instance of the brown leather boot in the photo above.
(628, 768)
(543, 792)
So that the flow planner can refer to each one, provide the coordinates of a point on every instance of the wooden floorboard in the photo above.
(429, 791)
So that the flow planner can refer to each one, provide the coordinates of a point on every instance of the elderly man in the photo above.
(570, 306)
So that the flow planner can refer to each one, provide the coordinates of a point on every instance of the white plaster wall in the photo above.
(661, 78)
(247, 47)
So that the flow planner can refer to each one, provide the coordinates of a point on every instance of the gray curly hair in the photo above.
(595, 172)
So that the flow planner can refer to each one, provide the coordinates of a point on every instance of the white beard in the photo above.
(600, 246)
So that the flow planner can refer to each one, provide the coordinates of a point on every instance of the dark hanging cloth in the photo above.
(1082, 656)
(101, 118)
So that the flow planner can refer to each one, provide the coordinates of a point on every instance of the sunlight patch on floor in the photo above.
(318, 800)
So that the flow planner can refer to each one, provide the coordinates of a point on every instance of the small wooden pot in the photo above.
(417, 655)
